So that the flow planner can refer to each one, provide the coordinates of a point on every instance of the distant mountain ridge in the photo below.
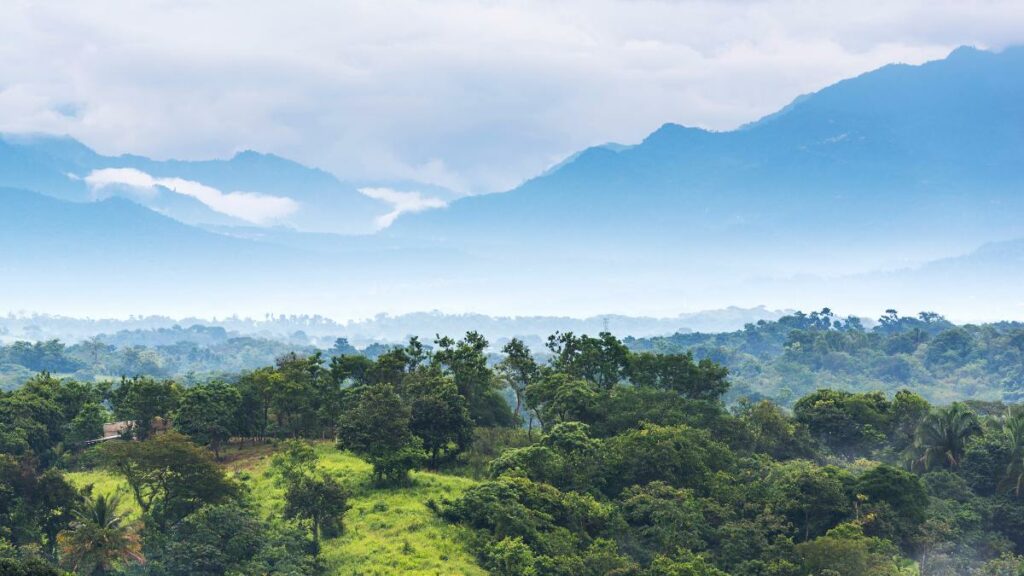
(381, 328)
(880, 188)
(904, 148)
(60, 167)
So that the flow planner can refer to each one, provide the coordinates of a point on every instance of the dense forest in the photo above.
(599, 456)
(788, 358)
(780, 360)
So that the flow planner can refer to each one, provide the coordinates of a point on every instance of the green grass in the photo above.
(107, 483)
(387, 531)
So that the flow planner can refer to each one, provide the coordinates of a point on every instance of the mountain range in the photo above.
(902, 186)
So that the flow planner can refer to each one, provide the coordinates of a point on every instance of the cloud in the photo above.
(401, 202)
(249, 206)
(462, 93)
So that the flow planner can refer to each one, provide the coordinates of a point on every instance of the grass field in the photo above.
(386, 531)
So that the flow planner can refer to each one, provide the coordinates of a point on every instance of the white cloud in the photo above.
(248, 206)
(401, 203)
(468, 94)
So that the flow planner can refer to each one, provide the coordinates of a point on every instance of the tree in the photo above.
(230, 538)
(303, 387)
(813, 498)
(518, 369)
(27, 567)
(466, 362)
(294, 459)
(664, 518)
(510, 557)
(603, 360)
(207, 414)
(558, 397)
(1013, 429)
(142, 400)
(100, 539)
(438, 414)
(87, 424)
(348, 370)
(53, 502)
(684, 563)
(847, 422)
(343, 348)
(257, 390)
(702, 380)
(375, 426)
(319, 499)
(677, 455)
(846, 551)
(169, 476)
(901, 491)
(773, 432)
(942, 436)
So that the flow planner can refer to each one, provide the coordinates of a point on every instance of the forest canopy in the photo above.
(594, 456)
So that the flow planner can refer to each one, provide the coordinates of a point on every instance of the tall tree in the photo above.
(518, 369)
(466, 361)
(100, 539)
(319, 499)
(438, 414)
(1013, 429)
(169, 476)
(942, 436)
(207, 414)
(142, 400)
(375, 426)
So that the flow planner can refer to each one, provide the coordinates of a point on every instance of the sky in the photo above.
(474, 96)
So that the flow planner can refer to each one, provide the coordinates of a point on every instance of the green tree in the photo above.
(703, 380)
(942, 436)
(87, 424)
(603, 360)
(208, 414)
(438, 415)
(510, 557)
(319, 499)
(518, 369)
(902, 491)
(846, 551)
(559, 397)
(257, 390)
(142, 400)
(293, 459)
(1013, 429)
(169, 476)
(230, 538)
(375, 426)
(678, 455)
(813, 498)
(466, 361)
(100, 539)
(663, 518)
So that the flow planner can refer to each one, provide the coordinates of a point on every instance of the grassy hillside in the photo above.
(386, 531)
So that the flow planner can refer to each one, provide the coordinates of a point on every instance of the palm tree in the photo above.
(99, 538)
(1013, 427)
(943, 434)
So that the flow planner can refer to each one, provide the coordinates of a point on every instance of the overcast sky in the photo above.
(473, 95)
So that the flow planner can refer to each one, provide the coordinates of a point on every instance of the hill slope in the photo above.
(910, 162)
(67, 169)
(386, 531)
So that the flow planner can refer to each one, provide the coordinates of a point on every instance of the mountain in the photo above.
(875, 192)
(209, 192)
(897, 166)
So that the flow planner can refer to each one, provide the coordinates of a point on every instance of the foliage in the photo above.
(99, 539)
(375, 426)
(169, 476)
